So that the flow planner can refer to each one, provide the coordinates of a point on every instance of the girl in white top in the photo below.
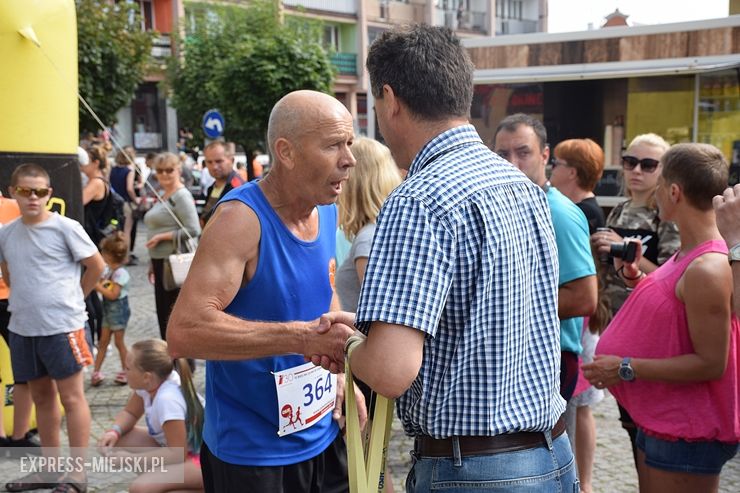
(173, 413)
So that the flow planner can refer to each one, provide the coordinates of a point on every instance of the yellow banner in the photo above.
(38, 78)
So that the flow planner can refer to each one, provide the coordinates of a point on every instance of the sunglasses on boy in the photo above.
(647, 164)
(26, 192)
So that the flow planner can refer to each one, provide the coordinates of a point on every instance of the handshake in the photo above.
(326, 338)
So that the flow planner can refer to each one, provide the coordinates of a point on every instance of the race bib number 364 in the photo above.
(305, 393)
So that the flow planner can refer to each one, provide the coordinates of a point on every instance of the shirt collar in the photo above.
(454, 137)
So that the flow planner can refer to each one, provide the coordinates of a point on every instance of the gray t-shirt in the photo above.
(44, 267)
(346, 281)
(159, 220)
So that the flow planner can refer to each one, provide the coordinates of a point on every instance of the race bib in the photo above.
(305, 393)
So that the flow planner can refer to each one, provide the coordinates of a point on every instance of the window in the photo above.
(331, 37)
(147, 15)
(509, 9)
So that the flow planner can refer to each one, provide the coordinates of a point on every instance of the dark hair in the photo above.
(427, 68)
(586, 157)
(512, 122)
(151, 355)
(28, 169)
(116, 246)
(700, 169)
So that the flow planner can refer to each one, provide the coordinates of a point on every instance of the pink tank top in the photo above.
(652, 324)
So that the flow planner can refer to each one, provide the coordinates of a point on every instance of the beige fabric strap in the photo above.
(366, 457)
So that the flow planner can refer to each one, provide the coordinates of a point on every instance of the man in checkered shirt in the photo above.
(459, 299)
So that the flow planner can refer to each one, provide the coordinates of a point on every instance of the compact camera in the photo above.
(626, 250)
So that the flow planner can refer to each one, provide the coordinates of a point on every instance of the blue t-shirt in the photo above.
(574, 257)
(292, 282)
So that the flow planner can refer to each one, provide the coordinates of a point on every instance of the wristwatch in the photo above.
(626, 372)
(734, 254)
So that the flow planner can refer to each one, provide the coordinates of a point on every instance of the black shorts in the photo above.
(568, 374)
(4, 323)
(325, 473)
(4, 320)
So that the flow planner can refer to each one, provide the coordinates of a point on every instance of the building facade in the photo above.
(149, 122)
(677, 80)
(350, 26)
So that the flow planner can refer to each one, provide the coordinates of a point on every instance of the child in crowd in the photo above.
(41, 256)
(113, 286)
(174, 418)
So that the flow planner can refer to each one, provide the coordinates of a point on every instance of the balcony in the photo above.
(468, 20)
(161, 47)
(346, 63)
(334, 6)
(516, 26)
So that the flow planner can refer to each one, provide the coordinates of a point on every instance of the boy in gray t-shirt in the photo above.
(41, 257)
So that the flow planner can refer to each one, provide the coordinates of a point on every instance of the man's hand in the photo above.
(727, 209)
(359, 400)
(324, 343)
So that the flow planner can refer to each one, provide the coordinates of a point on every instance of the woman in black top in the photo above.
(94, 195)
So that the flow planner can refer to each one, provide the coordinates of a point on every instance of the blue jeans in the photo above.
(532, 470)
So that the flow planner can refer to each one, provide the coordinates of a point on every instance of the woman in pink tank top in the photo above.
(670, 354)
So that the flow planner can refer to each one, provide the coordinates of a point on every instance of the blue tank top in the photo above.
(292, 282)
(118, 176)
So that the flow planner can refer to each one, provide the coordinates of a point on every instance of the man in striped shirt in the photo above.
(459, 300)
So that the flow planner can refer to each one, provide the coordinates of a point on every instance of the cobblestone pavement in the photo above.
(613, 470)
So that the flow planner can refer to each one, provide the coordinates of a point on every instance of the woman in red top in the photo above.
(670, 354)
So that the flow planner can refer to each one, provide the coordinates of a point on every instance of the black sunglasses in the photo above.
(647, 164)
(26, 192)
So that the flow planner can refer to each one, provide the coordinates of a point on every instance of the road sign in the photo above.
(213, 124)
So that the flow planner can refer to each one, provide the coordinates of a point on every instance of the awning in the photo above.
(607, 70)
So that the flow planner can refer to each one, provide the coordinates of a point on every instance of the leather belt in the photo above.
(426, 446)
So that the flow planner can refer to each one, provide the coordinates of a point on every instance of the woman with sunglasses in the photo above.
(636, 218)
(164, 233)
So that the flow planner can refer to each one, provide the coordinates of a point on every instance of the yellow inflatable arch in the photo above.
(38, 103)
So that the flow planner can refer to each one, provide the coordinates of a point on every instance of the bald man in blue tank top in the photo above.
(266, 265)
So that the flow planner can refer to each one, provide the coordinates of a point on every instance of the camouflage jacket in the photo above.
(659, 238)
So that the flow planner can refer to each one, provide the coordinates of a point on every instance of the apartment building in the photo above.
(350, 26)
(149, 122)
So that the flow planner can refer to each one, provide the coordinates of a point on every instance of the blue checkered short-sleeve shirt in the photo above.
(465, 252)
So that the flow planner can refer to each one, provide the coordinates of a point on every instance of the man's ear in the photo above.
(546, 154)
(392, 101)
(675, 192)
(285, 152)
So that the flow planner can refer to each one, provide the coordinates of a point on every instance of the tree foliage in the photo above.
(242, 61)
(113, 56)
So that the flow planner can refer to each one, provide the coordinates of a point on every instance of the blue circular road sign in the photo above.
(213, 124)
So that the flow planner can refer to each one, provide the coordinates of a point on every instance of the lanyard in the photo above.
(366, 457)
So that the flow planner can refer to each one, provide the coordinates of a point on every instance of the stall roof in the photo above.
(608, 70)
(639, 62)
